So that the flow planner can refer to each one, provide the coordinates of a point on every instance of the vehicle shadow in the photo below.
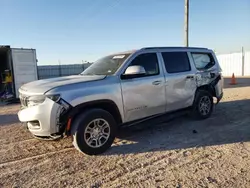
(230, 123)
(7, 119)
(240, 82)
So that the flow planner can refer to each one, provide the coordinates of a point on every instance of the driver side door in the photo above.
(144, 95)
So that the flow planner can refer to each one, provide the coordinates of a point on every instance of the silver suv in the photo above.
(121, 88)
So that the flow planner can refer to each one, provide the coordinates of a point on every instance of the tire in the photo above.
(199, 111)
(84, 127)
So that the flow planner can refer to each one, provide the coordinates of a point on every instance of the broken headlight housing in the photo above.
(35, 100)
(54, 98)
(39, 99)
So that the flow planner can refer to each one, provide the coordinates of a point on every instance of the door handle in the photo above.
(157, 82)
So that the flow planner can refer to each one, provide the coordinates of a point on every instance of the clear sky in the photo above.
(78, 30)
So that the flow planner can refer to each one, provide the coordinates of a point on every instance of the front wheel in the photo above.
(203, 105)
(94, 131)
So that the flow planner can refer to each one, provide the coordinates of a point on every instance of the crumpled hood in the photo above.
(42, 86)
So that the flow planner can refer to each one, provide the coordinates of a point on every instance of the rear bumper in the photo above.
(219, 98)
(218, 87)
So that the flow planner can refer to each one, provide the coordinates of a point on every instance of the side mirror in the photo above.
(135, 70)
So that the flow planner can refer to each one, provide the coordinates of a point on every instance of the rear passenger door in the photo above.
(180, 80)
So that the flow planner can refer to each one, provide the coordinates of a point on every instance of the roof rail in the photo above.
(175, 47)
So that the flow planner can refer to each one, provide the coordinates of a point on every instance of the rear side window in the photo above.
(176, 62)
(149, 61)
(203, 60)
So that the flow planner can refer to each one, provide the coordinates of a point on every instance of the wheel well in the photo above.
(208, 88)
(107, 105)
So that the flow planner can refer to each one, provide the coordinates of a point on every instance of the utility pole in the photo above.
(186, 22)
(243, 60)
(60, 71)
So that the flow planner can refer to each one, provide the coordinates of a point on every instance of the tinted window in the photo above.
(149, 61)
(176, 62)
(203, 60)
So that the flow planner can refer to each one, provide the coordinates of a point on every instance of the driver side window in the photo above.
(149, 62)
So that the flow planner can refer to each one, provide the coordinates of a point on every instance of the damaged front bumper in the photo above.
(45, 120)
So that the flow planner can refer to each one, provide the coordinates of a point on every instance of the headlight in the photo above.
(38, 99)
(35, 100)
(54, 98)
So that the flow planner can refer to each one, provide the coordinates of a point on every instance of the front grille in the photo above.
(23, 100)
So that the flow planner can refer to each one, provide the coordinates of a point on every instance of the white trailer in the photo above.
(23, 66)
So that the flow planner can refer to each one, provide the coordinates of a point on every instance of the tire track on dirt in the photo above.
(30, 148)
(35, 157)
(22, 172)
(17, 141)
(142, 168)
(149, 162)
(160, 165)
(135, 167)
(13, 133)
(178, 159)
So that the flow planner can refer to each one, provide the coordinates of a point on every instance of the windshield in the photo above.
(107, 65)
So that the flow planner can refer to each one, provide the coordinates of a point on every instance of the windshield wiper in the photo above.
(92, 74)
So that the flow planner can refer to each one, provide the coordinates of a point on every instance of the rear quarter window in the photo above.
(203, 60)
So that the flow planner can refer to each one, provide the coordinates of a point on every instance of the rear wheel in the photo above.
(203, 104)
(94, 131)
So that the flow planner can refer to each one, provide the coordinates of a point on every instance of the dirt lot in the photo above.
(179, 153)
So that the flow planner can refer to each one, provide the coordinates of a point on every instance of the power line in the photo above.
(109, 7)
(90, 8)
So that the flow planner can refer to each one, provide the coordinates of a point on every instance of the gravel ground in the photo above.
(179, 153)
